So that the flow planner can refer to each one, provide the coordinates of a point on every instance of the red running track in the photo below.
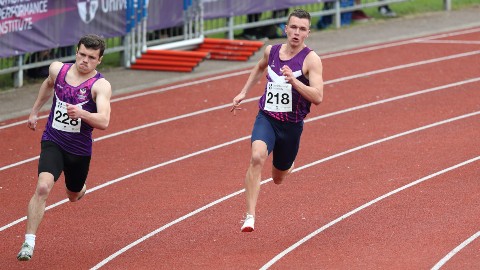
(387, 174)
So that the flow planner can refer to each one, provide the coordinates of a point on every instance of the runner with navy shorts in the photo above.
(81, 102)
(294, 82)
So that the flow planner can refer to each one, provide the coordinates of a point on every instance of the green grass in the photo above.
(109, 61)
(413, 7)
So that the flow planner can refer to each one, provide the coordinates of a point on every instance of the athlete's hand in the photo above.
(236, 103)
(32, 122)
(287, 73)
(74, 112)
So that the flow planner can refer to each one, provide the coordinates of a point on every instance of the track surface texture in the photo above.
(387, 175)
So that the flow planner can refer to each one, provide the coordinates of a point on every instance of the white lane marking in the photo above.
(238, 73)
(468, 42)
(399, 43)
(366, 74)
(424, 62)
(333, 222)
(455, 251)
(118, 253)
(244, 138)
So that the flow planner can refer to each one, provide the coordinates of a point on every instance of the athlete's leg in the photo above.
(50, 167)
(75, 196)
(286, 150)
(36, 206)
(279, 175)
(263, 141)
(76, 172)
(253, 177)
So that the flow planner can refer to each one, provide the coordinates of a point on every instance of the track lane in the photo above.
(199, 163)
(461, 67)
(157, 152)
(409, 229)
(195, 96)
(286, 213)
(146, 199)
(462, 255)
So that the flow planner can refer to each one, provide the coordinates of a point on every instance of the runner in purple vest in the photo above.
(81, 102)
(294, 74)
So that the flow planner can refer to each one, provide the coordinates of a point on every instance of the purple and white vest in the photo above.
(73, 136)
(280, 100)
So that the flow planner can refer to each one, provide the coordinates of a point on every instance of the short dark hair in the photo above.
(93, 42)
(301, 14)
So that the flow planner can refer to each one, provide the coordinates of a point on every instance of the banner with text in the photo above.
(35, 25)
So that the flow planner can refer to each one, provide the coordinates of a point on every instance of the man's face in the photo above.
(297, 30)
(87, 59)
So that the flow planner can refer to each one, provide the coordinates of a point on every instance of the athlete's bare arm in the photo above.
(312, 69)
(254, 77)
(44, 94)
(101, 93)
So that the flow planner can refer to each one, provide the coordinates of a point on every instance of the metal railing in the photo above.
(17, 66)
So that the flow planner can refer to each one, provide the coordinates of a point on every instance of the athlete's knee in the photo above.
(75, 196)
(278, 179)
(278, 176)
(258, 158)
(44, 185)
(42, 190)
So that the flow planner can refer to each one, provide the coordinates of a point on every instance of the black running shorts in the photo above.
(283, 138)
(54, 160)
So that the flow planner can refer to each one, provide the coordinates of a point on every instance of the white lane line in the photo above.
(455, 251)
(155, 91)
(399, 43)
(468, 42)
(366, 74)
(356, 210)
(424, 62)
(238, 73)
(123, 250)
(245, 138)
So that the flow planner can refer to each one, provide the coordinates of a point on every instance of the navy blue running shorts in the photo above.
(282, 138)
(54, 160)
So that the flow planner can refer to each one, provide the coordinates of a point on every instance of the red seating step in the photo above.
(226, 49)
(186, 61)
(169, 60)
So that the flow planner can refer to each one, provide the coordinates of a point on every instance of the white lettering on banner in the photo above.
(113, 5)
(88, 9)
(11, 2)
(24, 9)
(16, 25)
(18, 18)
